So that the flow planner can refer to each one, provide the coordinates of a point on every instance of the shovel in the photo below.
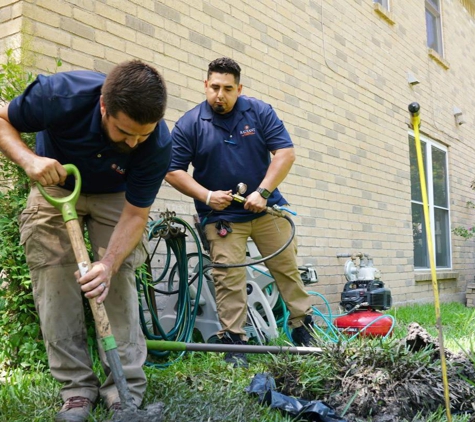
(67, 208)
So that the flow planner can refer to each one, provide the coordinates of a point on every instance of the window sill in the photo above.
(384, 13)
(441, 275)
(438, 58)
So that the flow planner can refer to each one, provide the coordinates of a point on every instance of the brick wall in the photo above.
(10, 26)
(336, 72)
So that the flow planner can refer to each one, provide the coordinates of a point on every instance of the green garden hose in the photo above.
(173, 231)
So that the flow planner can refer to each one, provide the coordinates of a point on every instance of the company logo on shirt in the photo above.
(247, 131)
(118, 169)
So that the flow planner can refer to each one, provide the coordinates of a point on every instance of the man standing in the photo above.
(228, 139)
(111, 128)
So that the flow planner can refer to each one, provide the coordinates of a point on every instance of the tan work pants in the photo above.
(269, 234)
(59, 301)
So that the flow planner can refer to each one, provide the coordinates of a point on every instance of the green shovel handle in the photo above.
(67, 204)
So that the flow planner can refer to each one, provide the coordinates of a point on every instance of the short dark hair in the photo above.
(225, 65)
(136, 89)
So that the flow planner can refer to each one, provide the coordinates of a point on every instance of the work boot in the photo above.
(236, 358)
(75, 409)
(301, 336)
(115, 408)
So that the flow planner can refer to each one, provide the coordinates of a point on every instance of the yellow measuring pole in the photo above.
(414, 110)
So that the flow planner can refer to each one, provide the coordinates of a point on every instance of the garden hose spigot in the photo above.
(170, 229)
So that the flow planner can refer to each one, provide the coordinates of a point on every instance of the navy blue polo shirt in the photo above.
(226, 150)
(64, 110)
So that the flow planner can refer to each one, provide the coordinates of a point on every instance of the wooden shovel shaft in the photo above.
(100, 318)
(84, 264)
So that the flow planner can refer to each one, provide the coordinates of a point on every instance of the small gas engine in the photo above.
(363, 287)
(363, 296)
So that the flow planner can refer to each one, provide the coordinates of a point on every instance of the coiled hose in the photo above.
(173, 230)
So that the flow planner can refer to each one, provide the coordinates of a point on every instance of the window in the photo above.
(435, 165)
(384, 3)
(433, 25)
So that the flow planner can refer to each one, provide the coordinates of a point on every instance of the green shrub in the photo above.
(463, 231)
(19, 325)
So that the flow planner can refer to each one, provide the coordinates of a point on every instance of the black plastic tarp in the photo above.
(263, 385)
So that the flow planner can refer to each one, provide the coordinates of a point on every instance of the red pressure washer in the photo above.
(363, 296)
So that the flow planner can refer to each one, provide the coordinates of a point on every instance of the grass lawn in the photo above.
(201, 387)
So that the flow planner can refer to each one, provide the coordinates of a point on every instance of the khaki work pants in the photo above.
(59, 301)
(269, 234)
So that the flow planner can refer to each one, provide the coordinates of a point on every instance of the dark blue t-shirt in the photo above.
(227, 150)
(64, 109)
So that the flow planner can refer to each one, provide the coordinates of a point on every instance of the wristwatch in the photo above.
(263, 192)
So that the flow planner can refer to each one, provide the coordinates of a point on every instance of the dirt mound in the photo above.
(399, 381)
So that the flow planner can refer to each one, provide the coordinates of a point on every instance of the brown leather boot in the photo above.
(75, 409)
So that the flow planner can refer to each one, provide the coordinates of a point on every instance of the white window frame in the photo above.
(383, 3)
(436, 11)
(430, 195)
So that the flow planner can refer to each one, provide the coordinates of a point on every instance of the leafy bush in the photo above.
(19, 325)
(466, 232)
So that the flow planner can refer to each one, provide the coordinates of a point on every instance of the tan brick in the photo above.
(10, 27)
(52, 34)
(166, 63)
(17, 9)
(191, 96)
(48, 65)
(109, 40)
(116, 57)
(32, 12)
(153, 18)
(84, 4)
(56, 6)
(176, 53)
(120, 31)
(109, 13)
(147, 4)
(6, 14)
(193, 48)
(12, 42)
(44, 47)
(89, 18)
(88, 47)
(4, 3)
(182, 7)
(74, 58)
(124, 6)
(215, 33)
(138, 52)
(79, 29)
(151, 43)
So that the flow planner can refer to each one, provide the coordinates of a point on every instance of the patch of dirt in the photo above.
(394, 383)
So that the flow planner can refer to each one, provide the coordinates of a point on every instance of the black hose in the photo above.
(266, 258)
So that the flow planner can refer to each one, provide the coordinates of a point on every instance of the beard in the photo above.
(119, 146)
(218, 108)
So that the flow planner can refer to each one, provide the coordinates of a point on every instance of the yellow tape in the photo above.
(416, 121)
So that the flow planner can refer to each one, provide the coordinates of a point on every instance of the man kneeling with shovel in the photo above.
(111, 129)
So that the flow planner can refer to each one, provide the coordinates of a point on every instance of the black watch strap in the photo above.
(263, 192)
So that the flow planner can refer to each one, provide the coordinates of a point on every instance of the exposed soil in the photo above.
(393, 384)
